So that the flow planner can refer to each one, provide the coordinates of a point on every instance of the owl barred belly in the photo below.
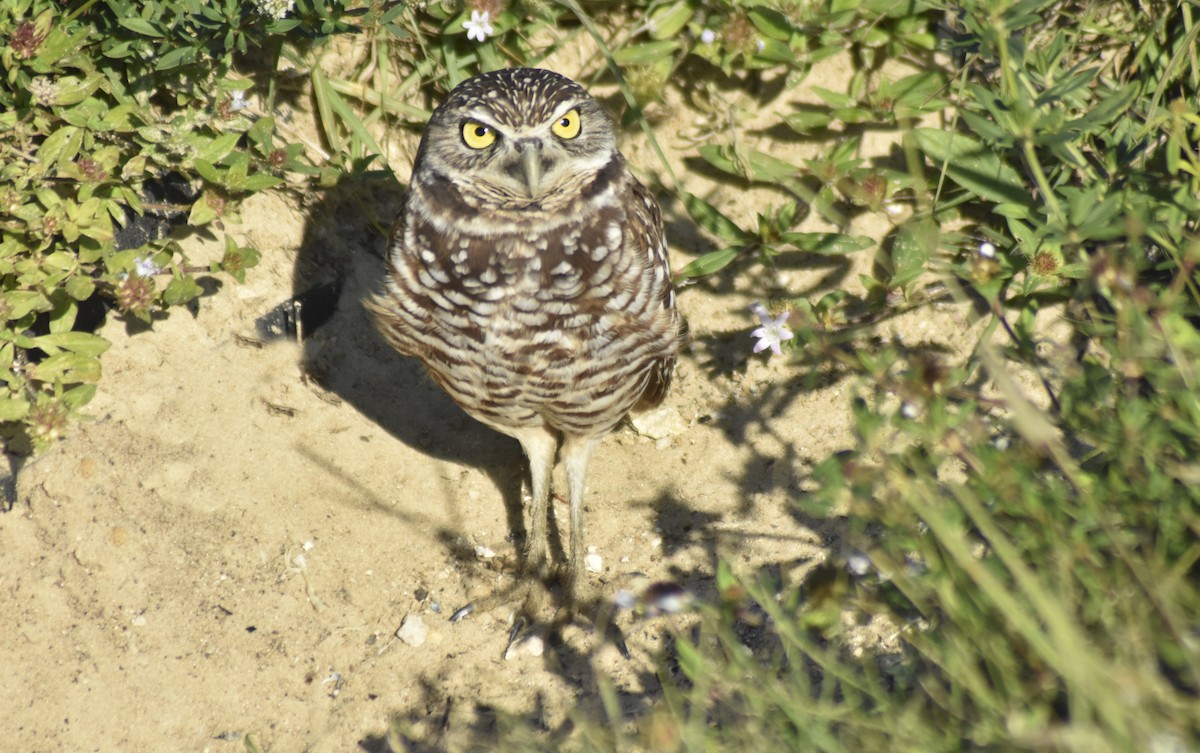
(528, 272)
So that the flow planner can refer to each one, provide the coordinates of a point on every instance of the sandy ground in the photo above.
(229, 546)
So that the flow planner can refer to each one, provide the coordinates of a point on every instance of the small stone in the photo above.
(665, 597)
(413, 631)
(593, 561)
(484, 553)
(531, 645)
(660, 423)
(625, 599)
(858, 564)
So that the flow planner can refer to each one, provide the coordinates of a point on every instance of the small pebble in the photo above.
(625, 599)
(413, 631)
(593, 561)
(858, 564)
(336, 679)
(484, 553)
(532, 645)
(661, 423)
(665, 597)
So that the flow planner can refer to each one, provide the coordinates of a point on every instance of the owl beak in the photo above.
(531, 166)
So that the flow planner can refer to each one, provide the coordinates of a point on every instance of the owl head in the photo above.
(510, 137)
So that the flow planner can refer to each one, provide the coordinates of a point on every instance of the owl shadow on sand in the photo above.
(340, 264)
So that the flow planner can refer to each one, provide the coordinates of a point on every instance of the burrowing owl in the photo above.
(528, 272)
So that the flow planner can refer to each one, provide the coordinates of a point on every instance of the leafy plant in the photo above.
(1031, 558)
(1035, 556)
(104, 104)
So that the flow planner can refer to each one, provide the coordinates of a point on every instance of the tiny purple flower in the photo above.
(708, 36)
(146, 267)
(773, 331)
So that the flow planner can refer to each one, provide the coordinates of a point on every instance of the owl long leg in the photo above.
(577, 451)
(540, 445)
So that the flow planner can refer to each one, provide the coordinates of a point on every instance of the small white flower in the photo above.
(238, 101)
(43, 90)
(274, 8)
(146, 267)
(761, 45)
(479, 28)
(708, 36)
(908, 410)
(772, 332)
(987, 250)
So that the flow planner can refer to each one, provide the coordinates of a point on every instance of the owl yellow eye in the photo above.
(477, 135)
(567, 127)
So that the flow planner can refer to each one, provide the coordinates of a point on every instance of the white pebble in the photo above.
(661, 423)
(413, 631)
(593, 561)
(484, 553)
(533, 645)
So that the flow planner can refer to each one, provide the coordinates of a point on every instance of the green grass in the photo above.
(1038, 560)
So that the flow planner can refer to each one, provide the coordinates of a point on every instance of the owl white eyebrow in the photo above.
(561, 111)
(483, 118)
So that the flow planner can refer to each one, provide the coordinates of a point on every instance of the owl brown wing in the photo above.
(646, 222)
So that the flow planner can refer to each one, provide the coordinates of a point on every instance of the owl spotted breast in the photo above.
(528, 272)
